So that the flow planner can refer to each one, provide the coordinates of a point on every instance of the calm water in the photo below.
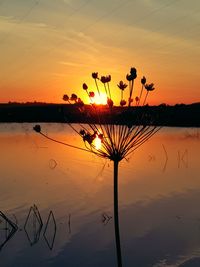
(159, 196)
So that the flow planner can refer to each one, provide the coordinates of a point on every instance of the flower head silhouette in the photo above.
(121, 130)
(133, 73)
(95, 75)
(73, 97)
(103, 79)
(91, 94)
(85, 87)
(122, 85)
(143, 80)
(149, 87)
(122, 102)
(65, 97)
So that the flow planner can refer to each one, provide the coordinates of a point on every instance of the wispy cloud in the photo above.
(73, 64)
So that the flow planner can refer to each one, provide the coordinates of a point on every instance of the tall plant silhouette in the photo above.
(112, 132)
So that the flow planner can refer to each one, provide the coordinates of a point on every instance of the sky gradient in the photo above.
(50, 47)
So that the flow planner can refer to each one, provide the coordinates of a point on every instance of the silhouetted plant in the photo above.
(110, 135)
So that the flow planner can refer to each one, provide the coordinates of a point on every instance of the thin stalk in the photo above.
(131, 85)
(140, 97)
(143, 141)
(91, 100)
(97, 86)
(62, 143)
(109, 90)
(116, 217)
(145, 97)
(105, 89)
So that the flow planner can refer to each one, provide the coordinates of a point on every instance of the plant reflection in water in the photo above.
(33, 225)
(105, 218)
(50, 230)
(7, 229)
(69, 224)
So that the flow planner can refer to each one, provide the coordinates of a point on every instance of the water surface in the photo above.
(159, 196)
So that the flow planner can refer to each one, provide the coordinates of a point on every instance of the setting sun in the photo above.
(100, 99)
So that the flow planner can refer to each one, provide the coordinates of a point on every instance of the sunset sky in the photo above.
(50, 47)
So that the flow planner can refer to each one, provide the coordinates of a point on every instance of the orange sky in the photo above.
(50, 47)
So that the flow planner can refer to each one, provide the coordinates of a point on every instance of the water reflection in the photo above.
(33, 225)
(69, 224)
(7, 229)
(105, 218)
(159, 193)
(183, 158)
(50, 230)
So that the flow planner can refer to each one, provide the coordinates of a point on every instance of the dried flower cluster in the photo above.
(117, 139)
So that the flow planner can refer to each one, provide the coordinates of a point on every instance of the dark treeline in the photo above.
(164, 115)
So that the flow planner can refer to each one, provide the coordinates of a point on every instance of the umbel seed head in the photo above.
(122, 85)
(85, 87)
(91, 94)
(143, 80)
(149, 87)
(95, 75)
(73, 97)
(65, 97)
(133, 73)
(112, 133)
(103, 79)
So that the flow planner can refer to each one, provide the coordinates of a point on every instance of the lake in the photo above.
(57, 202)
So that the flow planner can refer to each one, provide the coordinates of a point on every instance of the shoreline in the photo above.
(179, 115)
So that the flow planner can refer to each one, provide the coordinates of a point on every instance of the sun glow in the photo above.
(100, 99)
(97, 143)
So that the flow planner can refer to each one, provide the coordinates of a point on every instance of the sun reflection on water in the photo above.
(97, 143)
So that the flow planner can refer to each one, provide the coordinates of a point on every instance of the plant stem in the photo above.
(131, 85)
(145, 97)
(109, 90)
(116, 217)
(97, 86)
(140, 94)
